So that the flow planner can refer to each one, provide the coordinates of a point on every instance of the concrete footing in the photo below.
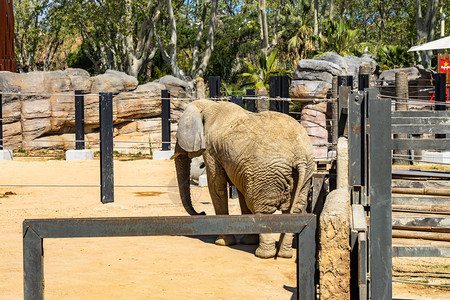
(85, 154)
(166, 154)
(6, 154)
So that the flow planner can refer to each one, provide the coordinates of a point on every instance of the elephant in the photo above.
(268, 156)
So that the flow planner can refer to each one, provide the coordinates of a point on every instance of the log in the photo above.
(431, 208)
(421, 191)
(409, 234)
(423, 228)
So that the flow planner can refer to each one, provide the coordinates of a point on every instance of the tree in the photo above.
(39, 32)
(169, 48)
(426, 24)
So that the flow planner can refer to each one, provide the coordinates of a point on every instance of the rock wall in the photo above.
(313, 80)
(40, 106)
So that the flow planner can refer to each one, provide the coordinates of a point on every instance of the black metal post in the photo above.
(237, 99)
(251, 103)
(165, 119)
(274, 92)
(214, 86)
(440, 95)
(79, 120)
(106, 148)
(363, 82)
(284, 89)
(379, 186)
(345, 81)
(1, 121)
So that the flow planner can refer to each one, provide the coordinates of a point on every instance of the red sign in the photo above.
(444, 66)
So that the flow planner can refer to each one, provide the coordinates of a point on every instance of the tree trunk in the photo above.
(264, 29)
(425, 27)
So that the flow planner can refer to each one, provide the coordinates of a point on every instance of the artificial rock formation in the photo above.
(40, 106)
(313, 80)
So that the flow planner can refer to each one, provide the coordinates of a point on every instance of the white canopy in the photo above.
(443, 43)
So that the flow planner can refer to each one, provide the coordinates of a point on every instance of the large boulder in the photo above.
(114, 82)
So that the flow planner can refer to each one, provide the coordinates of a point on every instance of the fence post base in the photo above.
(85, 154)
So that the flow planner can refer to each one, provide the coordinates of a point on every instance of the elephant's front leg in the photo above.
(217, 185)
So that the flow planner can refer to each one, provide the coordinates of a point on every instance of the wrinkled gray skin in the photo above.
(268, 156)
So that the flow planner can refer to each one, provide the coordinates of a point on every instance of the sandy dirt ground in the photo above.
(137, 267)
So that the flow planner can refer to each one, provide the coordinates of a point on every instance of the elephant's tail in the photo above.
(304, 171)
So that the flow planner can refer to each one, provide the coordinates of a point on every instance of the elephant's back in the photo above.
(281, 131)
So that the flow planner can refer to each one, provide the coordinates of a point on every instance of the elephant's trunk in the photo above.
(183, 167)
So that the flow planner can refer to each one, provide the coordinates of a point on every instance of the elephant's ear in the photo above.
(190, 133)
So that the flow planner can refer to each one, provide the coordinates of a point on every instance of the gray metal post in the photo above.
(355, 134)
(79, 120)
(379, 186)
(165, 119)
(214, 86)
(251, 106)
(106, 148)
(306, 262)
(33, 265)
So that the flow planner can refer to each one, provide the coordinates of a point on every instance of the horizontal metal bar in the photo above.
(420, 129)
(420, 200)
(421, 114)
(185, 225)
(401, 251)
(420, 120)
(424, 144)
(437, 222)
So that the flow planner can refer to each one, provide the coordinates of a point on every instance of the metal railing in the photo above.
(35, 231)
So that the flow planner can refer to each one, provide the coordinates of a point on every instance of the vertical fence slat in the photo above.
(379, 184)
(165, 119)
(79, 120)
(106, 148)
(251, 103)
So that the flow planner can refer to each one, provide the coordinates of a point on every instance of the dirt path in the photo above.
(131, 267)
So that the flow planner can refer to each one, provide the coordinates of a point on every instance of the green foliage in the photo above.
(337, 36)
(394, 57)
(79, 59)
(258, 73)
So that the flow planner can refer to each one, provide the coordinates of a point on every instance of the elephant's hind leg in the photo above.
(285, 249)
(247, 239)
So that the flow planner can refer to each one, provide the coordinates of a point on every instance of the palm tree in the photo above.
(259, 74)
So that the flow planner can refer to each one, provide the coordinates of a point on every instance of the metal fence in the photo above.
(35, 231)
